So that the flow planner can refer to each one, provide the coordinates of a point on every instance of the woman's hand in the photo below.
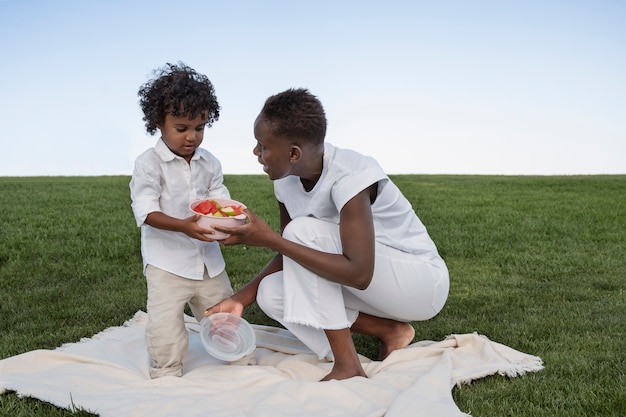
(227, 305)
(254, 233)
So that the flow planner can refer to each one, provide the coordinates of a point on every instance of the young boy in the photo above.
(182, 266)
(352, 255)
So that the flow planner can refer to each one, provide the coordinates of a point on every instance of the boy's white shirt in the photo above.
(165, 182)
(345, 174)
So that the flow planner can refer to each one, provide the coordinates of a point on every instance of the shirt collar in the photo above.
(167, 155)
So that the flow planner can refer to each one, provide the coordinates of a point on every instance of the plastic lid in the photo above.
(227, 337)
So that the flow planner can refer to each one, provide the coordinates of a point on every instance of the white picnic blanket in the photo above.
(108, 374)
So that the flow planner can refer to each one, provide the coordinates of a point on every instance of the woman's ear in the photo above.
(294, 154)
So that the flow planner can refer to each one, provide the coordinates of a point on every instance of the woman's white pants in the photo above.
(404, 287)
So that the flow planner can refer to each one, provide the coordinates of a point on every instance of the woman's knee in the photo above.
(315, 233)
(270, 296)
(300, 227)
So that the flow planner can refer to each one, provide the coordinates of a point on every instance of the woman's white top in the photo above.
(344, 175)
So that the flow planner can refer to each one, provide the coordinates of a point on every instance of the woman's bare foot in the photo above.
(346, 360)
(338, 373)
(393, 334)
(398, 336)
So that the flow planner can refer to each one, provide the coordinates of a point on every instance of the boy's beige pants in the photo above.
(166, 334)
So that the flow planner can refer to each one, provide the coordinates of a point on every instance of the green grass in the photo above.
(536, 263)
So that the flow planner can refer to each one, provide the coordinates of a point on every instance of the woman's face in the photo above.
(183, 136)
(273, 152)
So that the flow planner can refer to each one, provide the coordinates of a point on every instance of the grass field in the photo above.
(536, 263)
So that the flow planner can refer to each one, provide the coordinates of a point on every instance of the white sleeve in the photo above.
(145, 189)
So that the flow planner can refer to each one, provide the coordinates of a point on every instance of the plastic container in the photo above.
(227, 337)
(206, 220)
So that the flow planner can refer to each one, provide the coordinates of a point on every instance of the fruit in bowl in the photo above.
(218, 211)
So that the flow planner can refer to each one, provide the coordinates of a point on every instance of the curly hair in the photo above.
(180, 91)
(297, 115)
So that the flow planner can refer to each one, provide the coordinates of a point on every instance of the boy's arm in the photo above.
(188, 226)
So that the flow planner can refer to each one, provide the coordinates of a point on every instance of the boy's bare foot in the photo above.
(398, 337)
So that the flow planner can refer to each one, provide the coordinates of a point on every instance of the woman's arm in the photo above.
(353, 267)
(237, 302)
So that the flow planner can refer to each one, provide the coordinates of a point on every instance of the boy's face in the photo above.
(273, 152)
(183, 136)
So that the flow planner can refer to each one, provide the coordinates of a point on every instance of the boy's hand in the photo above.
(190, 228)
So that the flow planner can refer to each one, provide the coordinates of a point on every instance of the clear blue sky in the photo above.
(458, 87)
